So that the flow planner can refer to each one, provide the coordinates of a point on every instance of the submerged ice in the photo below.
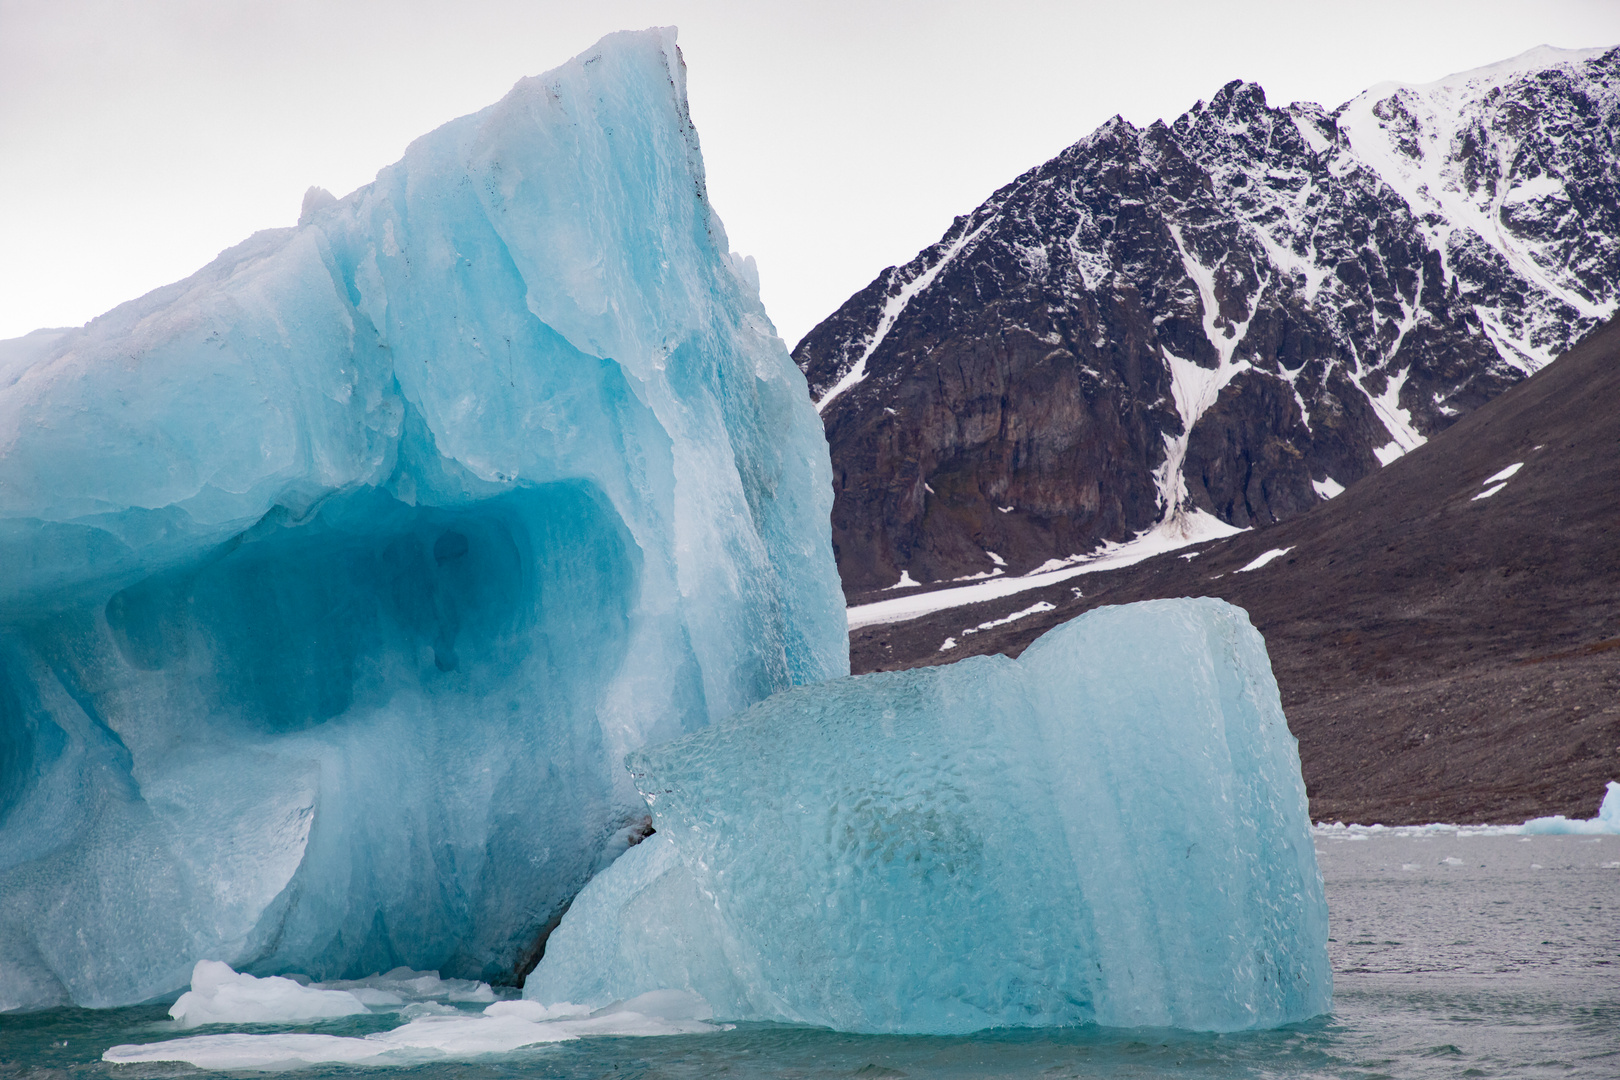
(1110, 829)
(431, 1030)
(337, 579)
(450, 1034)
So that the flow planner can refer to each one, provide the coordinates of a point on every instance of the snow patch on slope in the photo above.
(891, 313)
(1194, 387)
(1194, 527)
(1404, 436)
(1413, 137)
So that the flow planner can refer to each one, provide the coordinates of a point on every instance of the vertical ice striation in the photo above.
(1110, 829)
(337, 579)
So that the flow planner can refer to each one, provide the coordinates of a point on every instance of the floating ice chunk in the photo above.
(503, 1027)
(1607, 823)
(403, 984)
(612, 946)
(237, 1051)
(1110, 829)
(537, 1013)
(220, 995)
(1261, 560)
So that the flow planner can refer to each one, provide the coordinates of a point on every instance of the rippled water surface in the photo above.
(1453, 956)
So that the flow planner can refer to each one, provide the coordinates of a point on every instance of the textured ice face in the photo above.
(337, 579)
(1110, 829)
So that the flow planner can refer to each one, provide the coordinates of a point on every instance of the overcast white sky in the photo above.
(138, 139)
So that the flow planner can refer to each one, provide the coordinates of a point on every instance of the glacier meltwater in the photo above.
(337, 580)
(1110, 829)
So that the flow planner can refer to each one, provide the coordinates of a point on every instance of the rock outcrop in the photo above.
(1217, 323)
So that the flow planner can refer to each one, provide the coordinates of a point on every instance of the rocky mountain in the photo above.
(1446, 634)
(1217, 323)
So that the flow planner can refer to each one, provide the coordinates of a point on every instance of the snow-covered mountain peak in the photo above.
(1540, 58)
(1498, 163)
(1338, 285)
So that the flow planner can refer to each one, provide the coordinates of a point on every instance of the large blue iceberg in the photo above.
(337, 580)
(1111, 829)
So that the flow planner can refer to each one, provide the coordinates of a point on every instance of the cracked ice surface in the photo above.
(1111, 828)
(339, 577)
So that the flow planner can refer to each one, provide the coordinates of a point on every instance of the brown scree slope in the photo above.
(1441, 657)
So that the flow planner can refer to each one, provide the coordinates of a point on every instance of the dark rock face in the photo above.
(1217, 320)
(1443, 654)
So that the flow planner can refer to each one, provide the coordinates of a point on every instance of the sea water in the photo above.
(1454, 955)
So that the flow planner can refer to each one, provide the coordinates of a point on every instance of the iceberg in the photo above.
(1607, 822)
(337, 579)
(1111, 829)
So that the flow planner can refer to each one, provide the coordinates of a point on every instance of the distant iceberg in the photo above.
(1607, 823)
(1111, 829)
(337, 580)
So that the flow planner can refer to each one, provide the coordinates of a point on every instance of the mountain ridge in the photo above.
(1217, 322)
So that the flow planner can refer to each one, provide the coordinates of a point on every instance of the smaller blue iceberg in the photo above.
(1111, 829)
(1607, 823)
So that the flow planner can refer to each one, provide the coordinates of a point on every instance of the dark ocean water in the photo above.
(1453, 956)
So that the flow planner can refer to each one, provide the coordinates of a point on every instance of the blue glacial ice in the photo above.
(1110, 829)
(337, 579)
(1607, 822)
